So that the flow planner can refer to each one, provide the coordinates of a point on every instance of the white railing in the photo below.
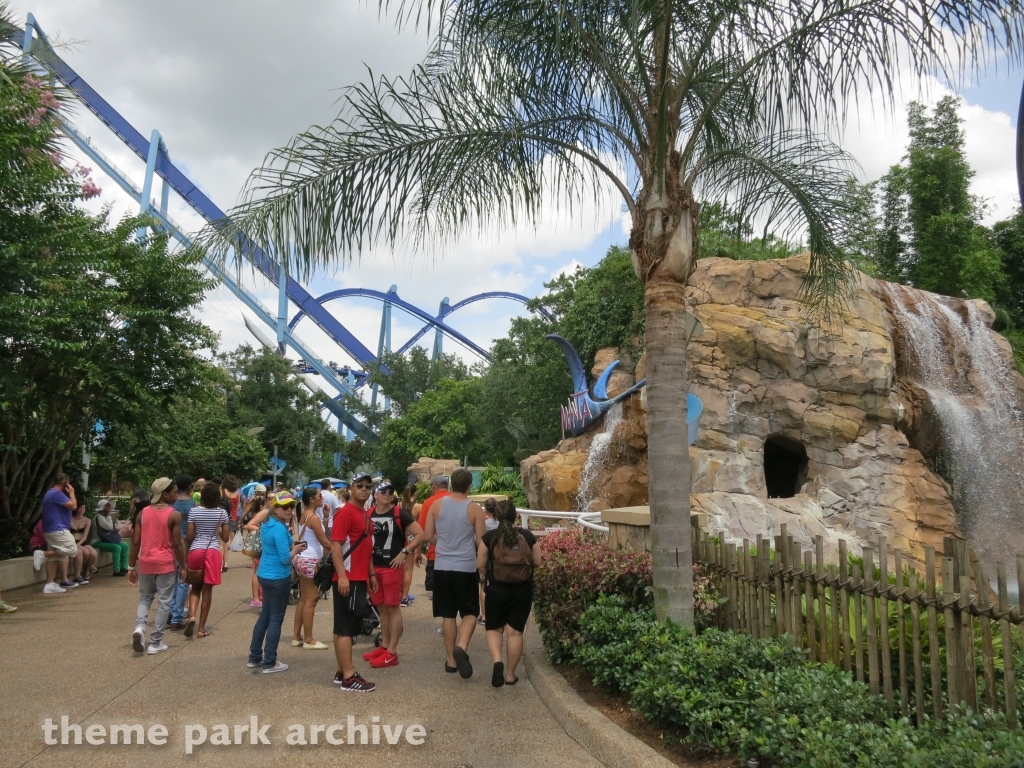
(592, 520)
(586, 519)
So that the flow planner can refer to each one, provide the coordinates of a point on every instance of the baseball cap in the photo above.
(159, 485)
(385, 486)
(260, 488)
(439, 480)
(360, 476)
(283, 499)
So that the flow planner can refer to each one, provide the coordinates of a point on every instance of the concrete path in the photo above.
(70, 655)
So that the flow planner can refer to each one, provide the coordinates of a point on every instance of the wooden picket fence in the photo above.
(926, 644)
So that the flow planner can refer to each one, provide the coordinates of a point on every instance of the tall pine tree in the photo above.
(931, 237)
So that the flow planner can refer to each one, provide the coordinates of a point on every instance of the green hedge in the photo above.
(578, 568)
(761, 698)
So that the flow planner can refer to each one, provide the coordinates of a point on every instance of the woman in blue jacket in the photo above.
(275, 577)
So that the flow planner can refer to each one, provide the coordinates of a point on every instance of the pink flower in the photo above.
(48, 100)
(37, 117)
(89, 189)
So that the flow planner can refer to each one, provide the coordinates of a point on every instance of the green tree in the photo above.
(195, 435)
(267, 393)
(598, 307)
(726, 233)
(412, 374)
(932, 237)
(527, 380)
(669, 102)
(1008, 237)
(442, 423)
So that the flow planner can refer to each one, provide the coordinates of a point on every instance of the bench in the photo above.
(18, 573)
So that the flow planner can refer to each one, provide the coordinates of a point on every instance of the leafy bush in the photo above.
(579, 568)
(495, 479)
(730, 692)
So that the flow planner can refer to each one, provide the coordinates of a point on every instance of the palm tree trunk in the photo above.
(667, 451)
(663, 243)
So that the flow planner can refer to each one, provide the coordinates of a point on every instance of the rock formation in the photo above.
(426, 468)
(802, 424)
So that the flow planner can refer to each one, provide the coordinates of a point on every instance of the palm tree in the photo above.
(670, 102)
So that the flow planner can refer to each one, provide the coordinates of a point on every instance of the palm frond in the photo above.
(418, 160)
(797, 181)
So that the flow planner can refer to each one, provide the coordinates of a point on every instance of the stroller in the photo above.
(324, 583)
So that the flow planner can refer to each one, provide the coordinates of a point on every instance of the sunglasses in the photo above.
(364, 486)
(388, 491)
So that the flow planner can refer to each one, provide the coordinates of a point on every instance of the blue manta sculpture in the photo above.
(585, 408)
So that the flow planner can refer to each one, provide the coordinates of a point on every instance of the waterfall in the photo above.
(952, 355)
(596, 457)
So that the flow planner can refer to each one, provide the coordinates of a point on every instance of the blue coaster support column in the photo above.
(438, 335)
(147, 184)
(282, 310)
(352, 388)
(383, 345)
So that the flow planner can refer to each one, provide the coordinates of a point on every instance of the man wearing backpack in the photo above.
(506, 558)
(390, 525)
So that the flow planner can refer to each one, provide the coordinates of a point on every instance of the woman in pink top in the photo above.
(156, 555)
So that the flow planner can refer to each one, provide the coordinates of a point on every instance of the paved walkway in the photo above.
(70, 655)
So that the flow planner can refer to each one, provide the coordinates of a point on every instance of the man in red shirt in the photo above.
(438, 490)
(351, 548)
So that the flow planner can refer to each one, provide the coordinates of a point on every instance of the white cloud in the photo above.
(879, 142)
(567, 269)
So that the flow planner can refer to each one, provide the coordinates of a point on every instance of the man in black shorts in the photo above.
(457, 525)
(351, 547)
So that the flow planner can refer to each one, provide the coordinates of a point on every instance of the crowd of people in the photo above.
(361, 543)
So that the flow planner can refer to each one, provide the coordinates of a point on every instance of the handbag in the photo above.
(110, 537)
(304, 566)
(324, 575)
(251, 544)
(194, 577)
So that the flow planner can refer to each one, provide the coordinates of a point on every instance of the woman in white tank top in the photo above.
(310, 532)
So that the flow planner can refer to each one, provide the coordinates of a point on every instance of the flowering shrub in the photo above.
(578, 567)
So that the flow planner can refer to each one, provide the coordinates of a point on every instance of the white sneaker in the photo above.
(278, 667)
(138, 640)
(154, 649)
(53, 588)
(38, 559)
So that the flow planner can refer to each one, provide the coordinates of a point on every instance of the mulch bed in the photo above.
(615, 706)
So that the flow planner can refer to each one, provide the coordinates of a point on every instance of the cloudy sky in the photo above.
(227, 80)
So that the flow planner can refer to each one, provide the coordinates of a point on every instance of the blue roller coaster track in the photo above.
(153, 151)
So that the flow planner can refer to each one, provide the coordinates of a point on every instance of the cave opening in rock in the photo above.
(785, 466)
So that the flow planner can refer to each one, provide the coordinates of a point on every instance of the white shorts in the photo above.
(62, 542)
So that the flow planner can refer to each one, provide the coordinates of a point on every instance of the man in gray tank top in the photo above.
(455, 525)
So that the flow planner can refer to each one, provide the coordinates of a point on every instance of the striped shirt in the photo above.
(207, 523)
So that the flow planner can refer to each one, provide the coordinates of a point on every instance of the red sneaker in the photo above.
(370, 656)
(386, 659)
